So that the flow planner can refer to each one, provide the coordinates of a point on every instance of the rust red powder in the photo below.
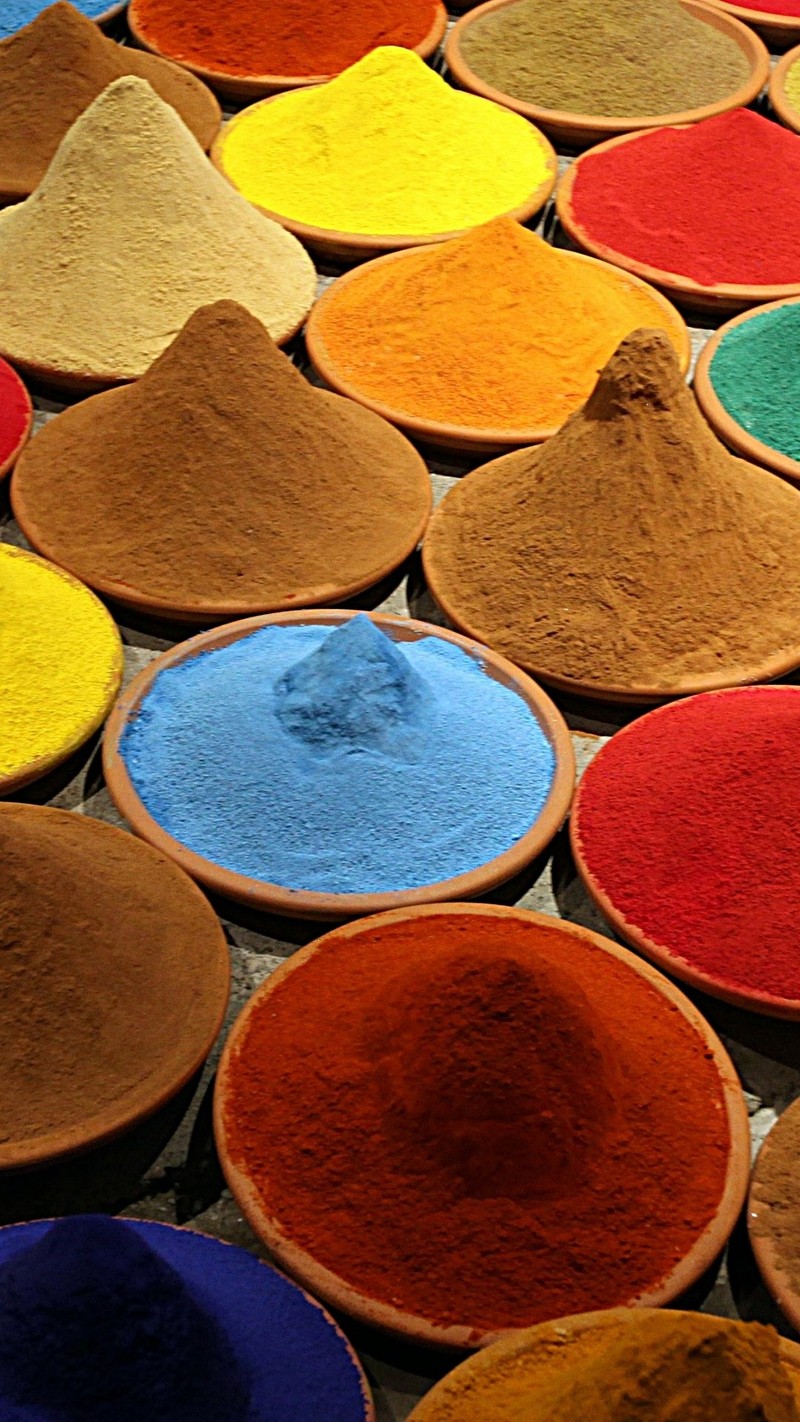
(716, 202)
(15, 414)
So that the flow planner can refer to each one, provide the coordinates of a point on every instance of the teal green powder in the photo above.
(756, 375)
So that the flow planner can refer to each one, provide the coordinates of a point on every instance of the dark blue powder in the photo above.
(339, 761)
(109, 1321)
(16, 13)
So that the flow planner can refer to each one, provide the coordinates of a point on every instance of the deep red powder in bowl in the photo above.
(772, 7)
(688, 822)
(718, 202)
(15, 415)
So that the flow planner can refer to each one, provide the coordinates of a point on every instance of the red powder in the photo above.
(772, 7)
(717, 202)
(689, 819)
(15, 414)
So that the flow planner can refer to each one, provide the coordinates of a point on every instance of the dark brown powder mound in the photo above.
(222, 482)
(631, 551)
(53, 69)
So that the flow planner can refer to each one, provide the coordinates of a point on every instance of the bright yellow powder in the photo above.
(387, 148)
(60, 662)
(792, 85)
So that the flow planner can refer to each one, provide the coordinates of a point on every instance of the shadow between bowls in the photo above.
(760, 1209)
(113, 13)
(787, 112)
(272, 898)
(778, 31)
(376, 1313)
(576, 130)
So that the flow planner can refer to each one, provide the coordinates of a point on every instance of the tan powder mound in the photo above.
(223, 483)
(630, 554)
(53, 69)
(129, 232)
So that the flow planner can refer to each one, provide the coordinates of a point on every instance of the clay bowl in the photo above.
(382, 1313)
(584, 1334)
(435, 432)
(272, 898)
(778, 31)
(764, 1214)
(724, 426)
(7, 464)
(578, 130)
(787, 112)
(359, 247)
(113, 13)
(726, 296)
(257, 86)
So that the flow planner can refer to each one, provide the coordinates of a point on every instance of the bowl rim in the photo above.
(7, 464)
(776, 27)
(376, 1313)
(787, 112)
(767, 1255)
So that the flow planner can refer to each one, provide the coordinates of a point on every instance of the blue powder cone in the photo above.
(95, 1327)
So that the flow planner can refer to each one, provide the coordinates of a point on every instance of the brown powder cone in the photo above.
(53, 69)
(631, 554)
(223, 483)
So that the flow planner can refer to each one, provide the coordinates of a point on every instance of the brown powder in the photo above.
(775, 1201)
(53, 69)
(630, 551)
(223, 481)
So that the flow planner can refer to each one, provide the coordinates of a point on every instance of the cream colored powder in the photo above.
(129, 232)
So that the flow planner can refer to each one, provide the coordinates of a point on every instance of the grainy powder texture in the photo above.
(626, 58)
(223, 480)
(755, 372)
(128, 233)
(775, 1201)
(631, 550)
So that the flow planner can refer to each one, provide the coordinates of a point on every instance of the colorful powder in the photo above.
(16, 13)
(774, 1213)
(15, 415)
(771, 7)
(755, 372)
(339, 761)
(791, 81)
(388, 148)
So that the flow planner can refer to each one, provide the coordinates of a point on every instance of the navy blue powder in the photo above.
(16, 13)
(338, 760)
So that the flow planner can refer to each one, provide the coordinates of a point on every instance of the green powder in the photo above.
(755, 372)
(615, 58)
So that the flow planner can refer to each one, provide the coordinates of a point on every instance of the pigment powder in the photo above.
(434, 336)
(631, 550)
(16, 13)
(54, 69)
(387, 147)
(60, 664)
(118, 1321)
(295, 38)
(339, 761)
(16, 415)
(625, 1366)
(312, 497)
(612, 57)
(791, 83)
(755, 373)
(772, 7)
(774, 1212)
(461, 1114)
(689, 821)
(113, 980)
(128, 233)
(640, 200)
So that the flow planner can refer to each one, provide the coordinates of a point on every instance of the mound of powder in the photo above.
(312, 498)
(130, 230)
(774, 1213)
(16, 13)
(755, 372)
(631, 550)
(388, 148)
(54, 69)
(435, 336)
(16, 416)
(338, 761)
(639, 199)
(627, 58)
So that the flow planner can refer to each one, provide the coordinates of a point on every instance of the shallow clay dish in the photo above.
(381, 1313)
(272, 898)
(764, 1217)
(787, 112)
(723, 424)
(7, 464)
(109, 16)
(257, 86)
(358, 246)
(448, 436)
(725, 296)
(577, 130)
(777, 31)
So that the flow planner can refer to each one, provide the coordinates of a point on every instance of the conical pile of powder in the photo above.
(223, 482)
(631, 551)
(54, 69)
(129, 232)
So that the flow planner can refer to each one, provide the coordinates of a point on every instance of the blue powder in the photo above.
(339, 761)
(109, 1321)
(16, 13)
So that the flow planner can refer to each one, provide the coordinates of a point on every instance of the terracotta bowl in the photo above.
(764, 1217)
(272, 898)
(787, 112)
(113, 13)
(588, 1334)
(6, 465)
(358, 247)
(777, 31)
(723, 424)
(725, 296)
(257, 86)
(577, 130)
(382, 1313)
(447, 436)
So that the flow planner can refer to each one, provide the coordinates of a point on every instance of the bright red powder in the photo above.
(772, 7)
(717, 202)
(689, 820)
(15, 411)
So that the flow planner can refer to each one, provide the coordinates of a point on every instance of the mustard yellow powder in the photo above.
(60, 662)
(792, 85)
(387, 148)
